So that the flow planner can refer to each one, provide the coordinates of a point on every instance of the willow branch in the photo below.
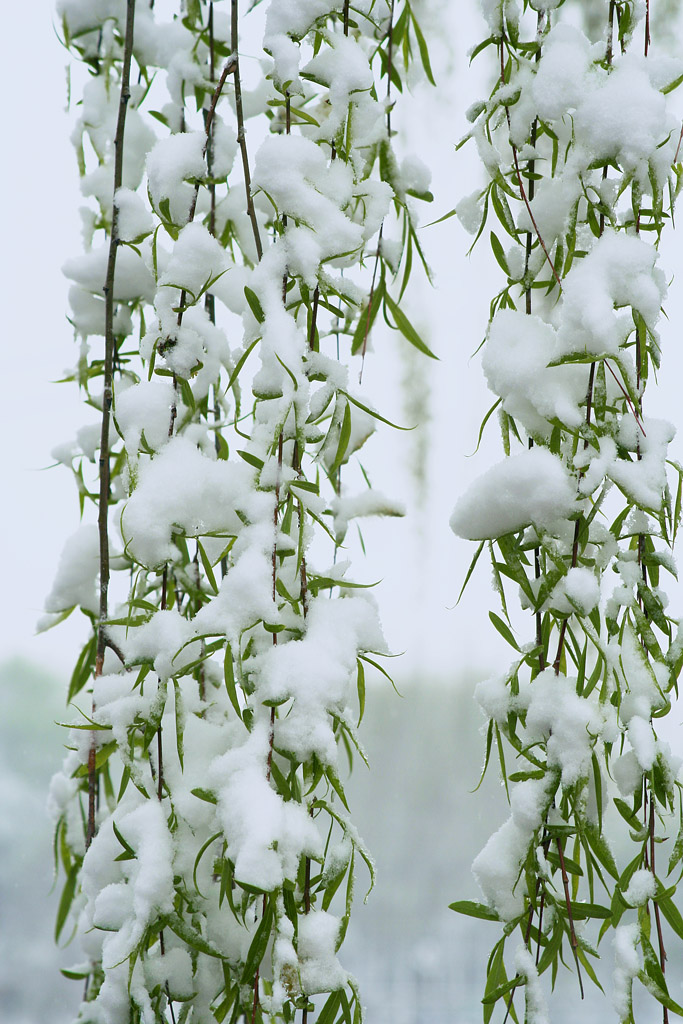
(109, 352)
(241, 137)
(572, 931)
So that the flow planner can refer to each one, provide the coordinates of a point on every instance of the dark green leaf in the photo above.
(406, 328)
(254, 304)
(504, 630)
(471, 909)
(66, 900)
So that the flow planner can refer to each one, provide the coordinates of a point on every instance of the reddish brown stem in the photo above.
(372, 295)
(572, 931)
(107, 397)
(314, 319)
(271, 731)
(254, 1006)
(525, 199)
(241, 136)
(390, 64)
(678, 147)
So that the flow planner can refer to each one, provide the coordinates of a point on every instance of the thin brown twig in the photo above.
(379, 238)
(591, 380)
(651, 828)
(370, 301)
(678, 147)
(229, 69)
(254, 1006)
(241, 136)
(527, 937)
(572, 931)
(628, 399)
(271, 732)
(528, 307)
(314, 319)
(107, 397)
(390, 65)
(525, 199)
(520, 181)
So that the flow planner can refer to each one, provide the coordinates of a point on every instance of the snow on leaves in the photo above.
(225, 669)
(578, 142)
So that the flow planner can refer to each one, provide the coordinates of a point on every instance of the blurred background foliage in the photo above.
(415, 960)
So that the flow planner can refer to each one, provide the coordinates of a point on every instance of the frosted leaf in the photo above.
(245, 594)
(181, 487)
(497, 867)
(196, 259)
(134, 219)
(627, 966)
(223, 148)
(88, 314)
(536, 1009)
(493, 12)
(643, 479)
(641, 888)
(162, 641)
(289, 20)
(515, 362)
(578, 590)
(170, 164)
(533, 487)
(317, 672)
(343, 67)
(565, 72)
(642, 740)
(494, 698)
(267, 836)
(295, 173)
(469, 212)
(569, 724)
(174, 969)
(620, 271)
(144, 408)
(132, 280)
(628, 773)
(77, 572)
(626, 119)
(318, 932)
(368, 503)
(117, 703)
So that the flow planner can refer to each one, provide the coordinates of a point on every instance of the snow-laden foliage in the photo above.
(582, 158)
(227, 281)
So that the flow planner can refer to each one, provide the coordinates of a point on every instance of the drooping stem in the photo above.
(658, 920)
(241, 136)
(528, 307)
(570, 915)
(271, 730)
(209, 115)
(390, 64)
(107, 396)
(370, 301)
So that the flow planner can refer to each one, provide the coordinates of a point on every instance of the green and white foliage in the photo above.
(581, 153)
(228, 287)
